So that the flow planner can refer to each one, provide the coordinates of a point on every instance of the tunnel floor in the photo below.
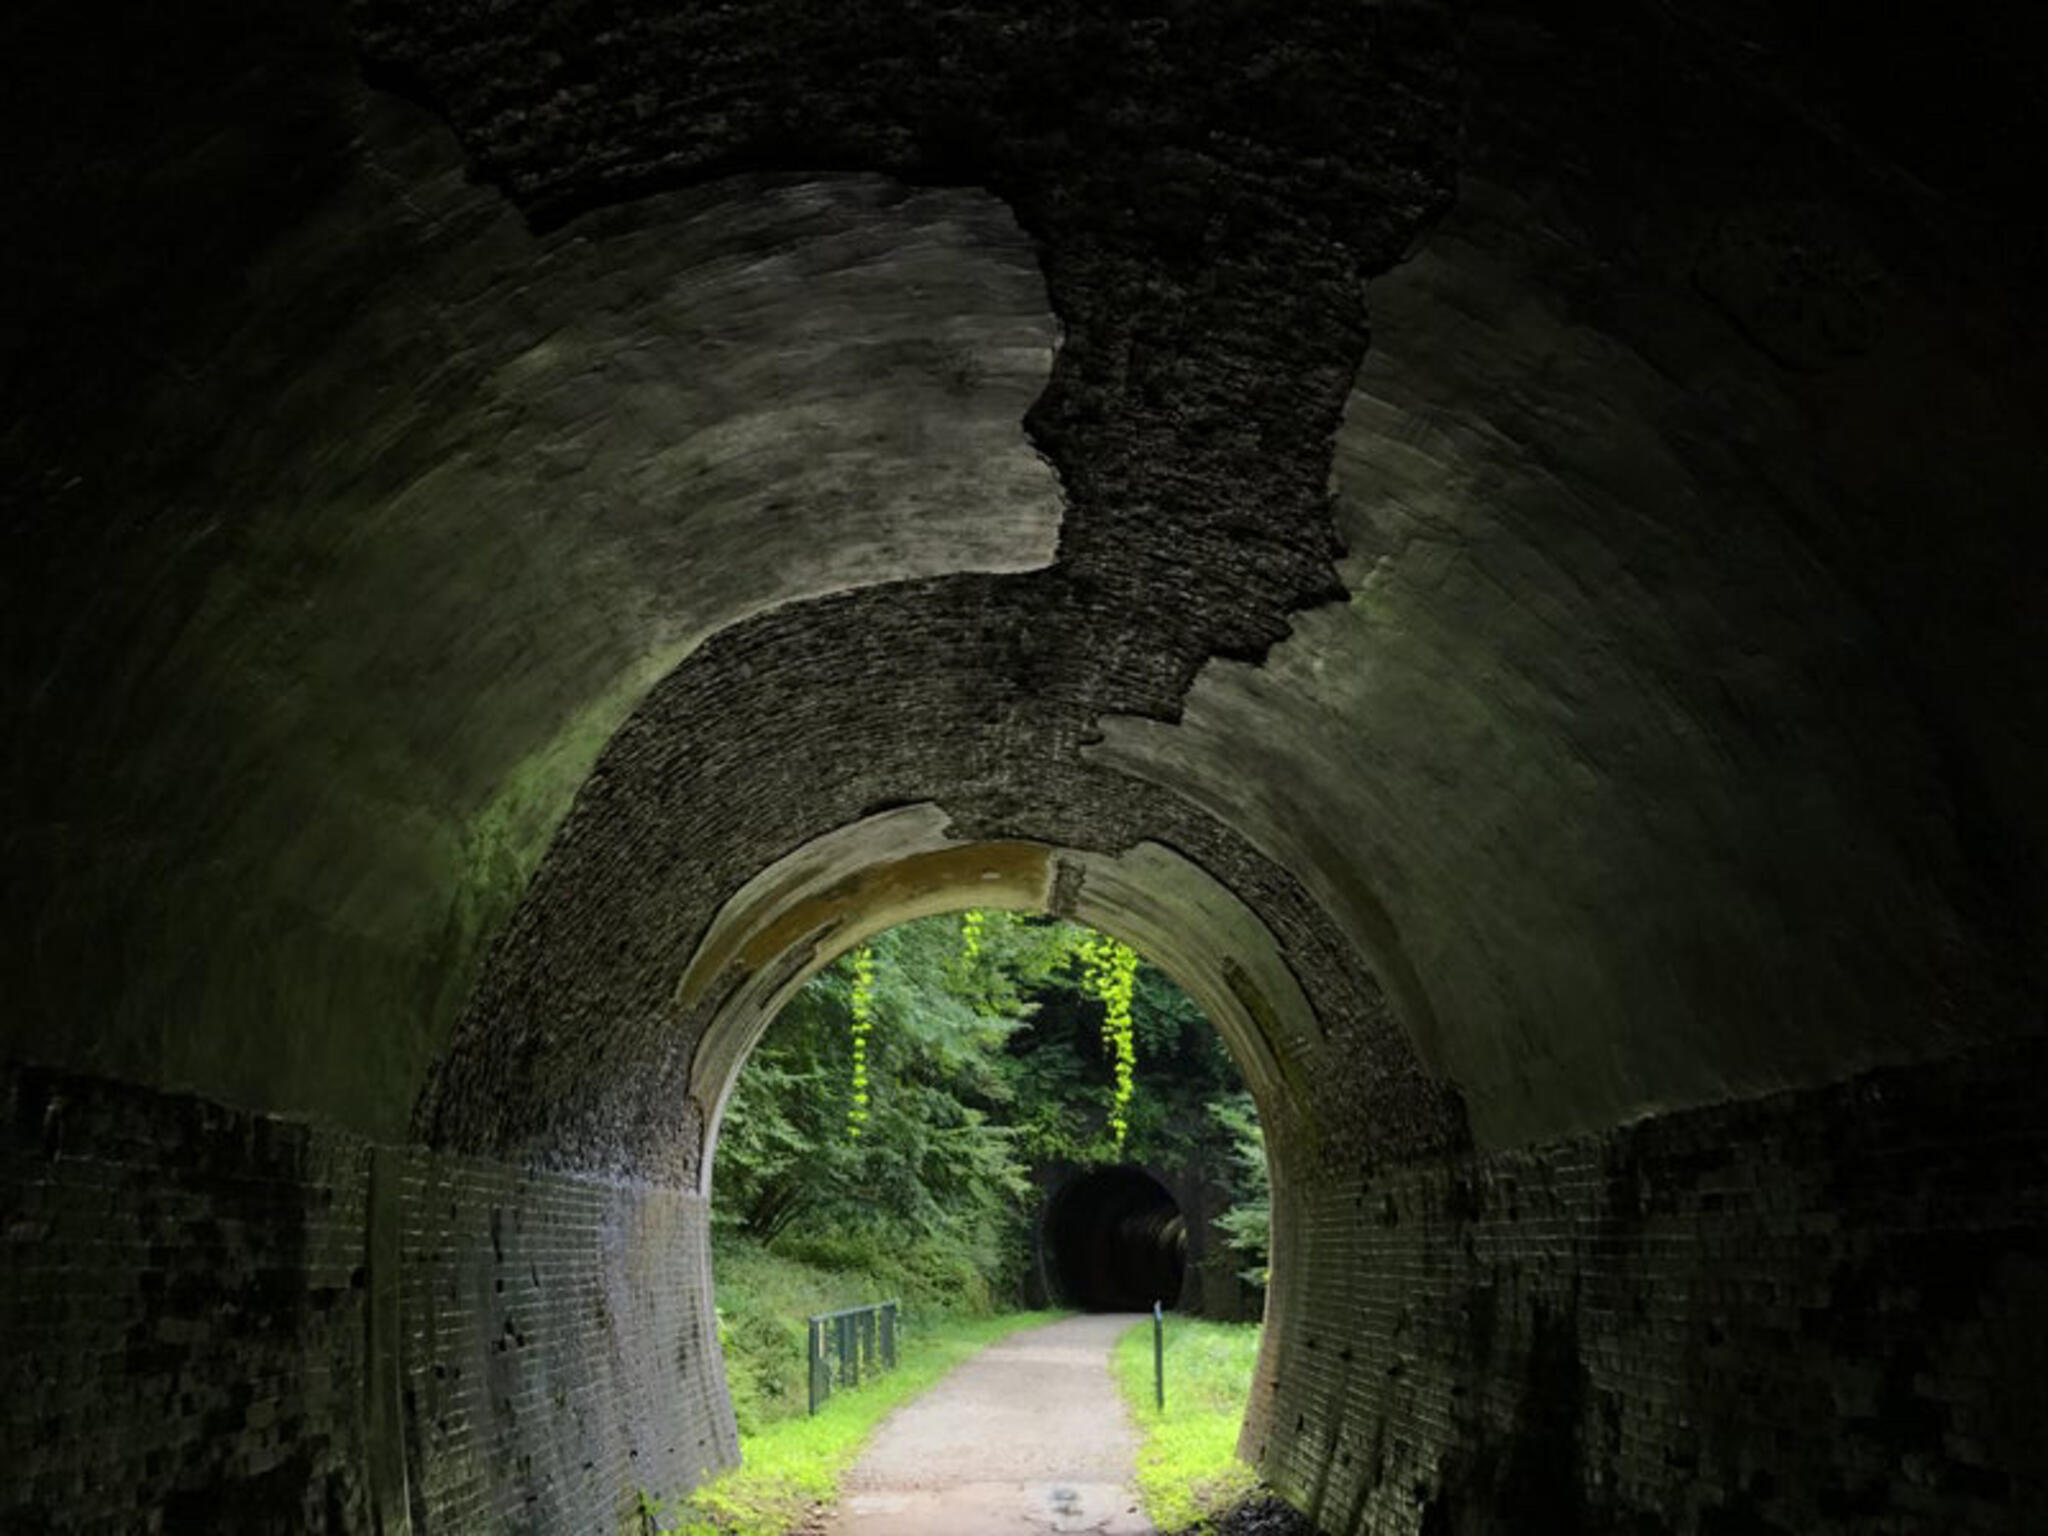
(1030, 1434)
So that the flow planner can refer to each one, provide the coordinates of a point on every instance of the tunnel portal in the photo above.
(1114, 1240)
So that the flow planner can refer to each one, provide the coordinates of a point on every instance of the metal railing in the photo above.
(845, 1345)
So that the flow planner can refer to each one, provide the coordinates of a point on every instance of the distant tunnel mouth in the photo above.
(1115, 1241)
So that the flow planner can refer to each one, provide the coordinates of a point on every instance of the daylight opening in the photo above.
(978, 1113)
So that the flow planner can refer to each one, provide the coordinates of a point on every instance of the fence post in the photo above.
(1159, 1356)
(860, 1339)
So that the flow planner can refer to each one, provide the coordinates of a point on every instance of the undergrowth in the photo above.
(791, 1462)
(1188, 1470)
(792, 1467)
(764, 1295)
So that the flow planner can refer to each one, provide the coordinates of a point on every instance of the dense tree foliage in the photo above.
(899, 1103)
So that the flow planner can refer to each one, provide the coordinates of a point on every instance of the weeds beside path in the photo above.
(793, 1466)
(1188, 1471)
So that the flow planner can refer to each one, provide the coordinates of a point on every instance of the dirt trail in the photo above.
(1028, 1437)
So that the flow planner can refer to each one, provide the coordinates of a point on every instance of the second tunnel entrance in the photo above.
(1114, 1240)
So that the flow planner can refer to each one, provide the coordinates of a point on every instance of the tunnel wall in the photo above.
(526, 471)
(558, 1350)
(182, 1314)
(1810, 1313)
(1211, 1285)
(218, 1320)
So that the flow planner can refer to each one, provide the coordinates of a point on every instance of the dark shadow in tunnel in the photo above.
(1114, 1241)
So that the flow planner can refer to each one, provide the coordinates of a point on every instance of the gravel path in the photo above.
(1030, 1436)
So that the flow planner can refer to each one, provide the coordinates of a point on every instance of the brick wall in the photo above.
(556, 1358)
(1812, 1314)
(215, 1321)
(182, 1306)
(1815, 1313)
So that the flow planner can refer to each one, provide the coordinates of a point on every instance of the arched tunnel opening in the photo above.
(972, 1111)
(1114, 1241)
(1498, 545)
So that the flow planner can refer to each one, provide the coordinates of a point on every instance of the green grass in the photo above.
(1188, 1471)
(793, 1464)
(763, 1298)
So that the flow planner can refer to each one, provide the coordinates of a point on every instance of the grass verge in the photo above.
(794, 1464)
(1188, 1471)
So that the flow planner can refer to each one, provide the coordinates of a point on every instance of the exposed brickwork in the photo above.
(185, 1300)
(556, 1362)
(1816, 1313)
(585, 972)
(181, 1315)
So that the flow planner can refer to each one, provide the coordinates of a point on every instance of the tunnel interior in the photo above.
(1499, 545)
(1114, 1241)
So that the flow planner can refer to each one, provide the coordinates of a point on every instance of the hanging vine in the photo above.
(862, 1005)
(1109, 972)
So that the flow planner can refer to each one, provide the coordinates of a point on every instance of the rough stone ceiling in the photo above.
(1575, 687)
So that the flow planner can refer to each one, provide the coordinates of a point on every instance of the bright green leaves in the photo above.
(1109, 973)
(899, 1104)
(927, 1170)
(862, 1009)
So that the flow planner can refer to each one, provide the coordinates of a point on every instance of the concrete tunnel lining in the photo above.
(391, 925)
(473, 489)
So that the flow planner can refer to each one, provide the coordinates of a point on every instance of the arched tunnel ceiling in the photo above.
(1590, 681)
(507, 481)
(1576, 686)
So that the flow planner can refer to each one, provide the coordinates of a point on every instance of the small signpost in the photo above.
(1159, 1355)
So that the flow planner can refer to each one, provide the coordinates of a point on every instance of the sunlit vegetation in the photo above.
(792, 1466)
(890, 1118)
(880, 1144)
(1188, 1468)
(1110, 971)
